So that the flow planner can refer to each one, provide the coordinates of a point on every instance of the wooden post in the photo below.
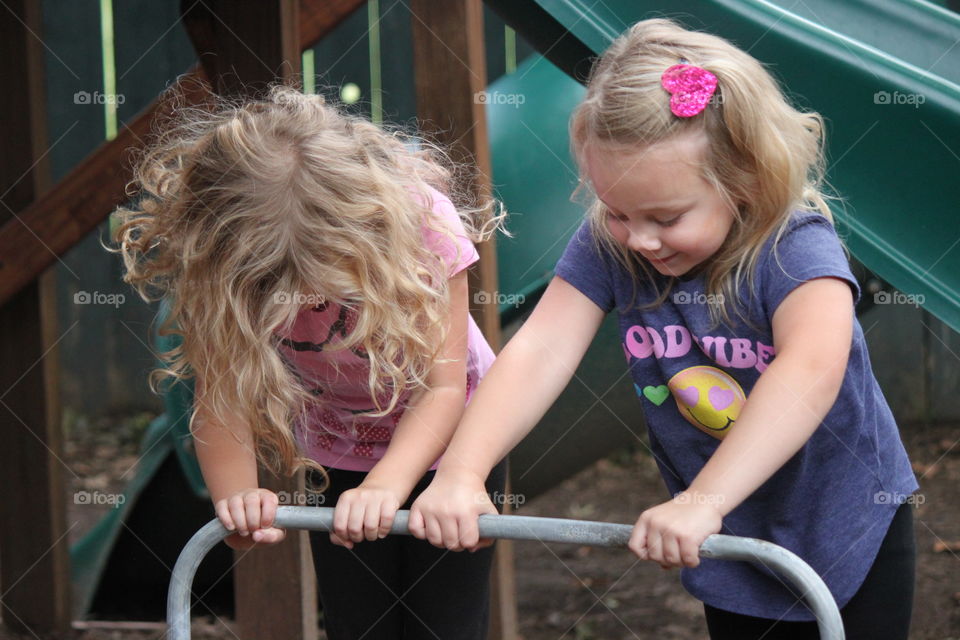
(34, 559)
(62, 217)
(242, 47)
(450, 76)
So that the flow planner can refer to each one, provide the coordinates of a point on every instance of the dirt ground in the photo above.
(583, 593)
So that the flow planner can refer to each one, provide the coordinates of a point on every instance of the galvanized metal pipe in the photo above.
(599, 534)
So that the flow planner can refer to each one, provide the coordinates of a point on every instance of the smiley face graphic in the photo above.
(710, 399)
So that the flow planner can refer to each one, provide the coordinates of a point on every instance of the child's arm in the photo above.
(523, 382)
(426, 427)
(229, 470)
(812, 332)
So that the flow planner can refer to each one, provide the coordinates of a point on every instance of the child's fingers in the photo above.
(469, 532)
(434, 534)
(251, 505)
(371, 520)
(387, 513)
(223, 513)
(337, 540)
(655, 547)
(235, 541)
(638, 540)
(271, 535)
(689, 553)
(355, 522)
(340, 516)
(482, 543)
(239, 514)
(415, 523)
(670, 549)
(268, 508)
(450, 532)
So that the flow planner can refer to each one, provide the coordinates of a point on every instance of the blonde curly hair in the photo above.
(245, 207)
(764, 156)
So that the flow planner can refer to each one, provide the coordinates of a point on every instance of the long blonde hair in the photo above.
(764, 156)
(246, 207)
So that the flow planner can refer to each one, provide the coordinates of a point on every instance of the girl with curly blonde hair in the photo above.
(315, 269)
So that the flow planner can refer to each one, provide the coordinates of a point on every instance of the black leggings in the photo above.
(879, 610)
(401, 587)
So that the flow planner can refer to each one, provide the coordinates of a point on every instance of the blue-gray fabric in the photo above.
(833, 501)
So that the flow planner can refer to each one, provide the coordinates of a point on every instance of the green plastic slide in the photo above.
(884, 74)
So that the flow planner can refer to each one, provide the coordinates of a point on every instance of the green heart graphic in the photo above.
(656, 395)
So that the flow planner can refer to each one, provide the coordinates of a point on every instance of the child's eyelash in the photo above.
(672, 221)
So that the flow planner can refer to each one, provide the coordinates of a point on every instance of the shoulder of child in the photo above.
(808, 248)
(456, 249)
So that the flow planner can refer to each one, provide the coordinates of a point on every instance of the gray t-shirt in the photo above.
(833, 501)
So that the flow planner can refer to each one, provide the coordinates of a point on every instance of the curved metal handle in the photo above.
(599, 534)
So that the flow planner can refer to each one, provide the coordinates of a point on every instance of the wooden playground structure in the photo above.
(240, 47)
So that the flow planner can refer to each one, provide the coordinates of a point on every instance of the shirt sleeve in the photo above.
(808, 249)
(458, 252)
(584, 267)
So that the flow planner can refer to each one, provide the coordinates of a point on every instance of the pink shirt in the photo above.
(332, 433)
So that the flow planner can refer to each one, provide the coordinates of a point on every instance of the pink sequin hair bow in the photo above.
(690, 89)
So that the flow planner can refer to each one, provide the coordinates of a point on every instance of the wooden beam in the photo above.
(50, 226)
(34, 559)
(450, 74)
(242, 48)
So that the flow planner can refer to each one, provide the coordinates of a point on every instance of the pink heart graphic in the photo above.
(720, 398)
(690, 89)
(690, 396)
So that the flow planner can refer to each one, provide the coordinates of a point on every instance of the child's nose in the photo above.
(644, 239)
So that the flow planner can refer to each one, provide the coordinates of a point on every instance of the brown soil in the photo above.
(580, 593)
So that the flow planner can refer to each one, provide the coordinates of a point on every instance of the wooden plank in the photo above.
(242, 48)
(48, 227)
(283, 575)
(34, 569)
(450, 72)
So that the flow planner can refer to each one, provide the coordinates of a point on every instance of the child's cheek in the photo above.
(618, 230)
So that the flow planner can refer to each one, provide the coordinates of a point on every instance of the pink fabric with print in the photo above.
(333, 434)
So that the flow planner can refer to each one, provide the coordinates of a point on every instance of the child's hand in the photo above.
(250, 513)
(446, 512)
(364, 513)
(671, 533)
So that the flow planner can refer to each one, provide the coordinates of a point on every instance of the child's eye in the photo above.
(672, 221)
(617, 216)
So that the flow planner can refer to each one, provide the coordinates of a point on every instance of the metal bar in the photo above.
(600, 534)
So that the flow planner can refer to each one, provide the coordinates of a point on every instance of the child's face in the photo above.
(658, 203)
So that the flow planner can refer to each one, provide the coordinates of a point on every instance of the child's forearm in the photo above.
(525, 380)
(228, 466)
(421, 436)
(786, 406)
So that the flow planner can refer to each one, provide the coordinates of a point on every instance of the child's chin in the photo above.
(673, 268)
